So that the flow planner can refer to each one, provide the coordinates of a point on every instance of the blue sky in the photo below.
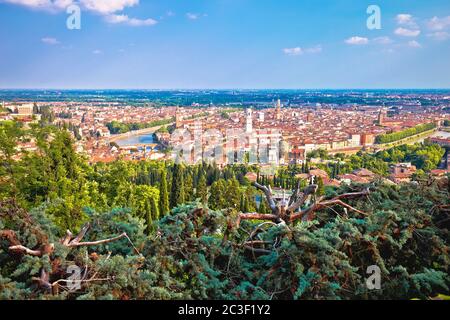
(169, 44)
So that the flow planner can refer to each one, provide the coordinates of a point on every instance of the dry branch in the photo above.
(95, 243)
(297, 200)
(269, 196)
(25, 250)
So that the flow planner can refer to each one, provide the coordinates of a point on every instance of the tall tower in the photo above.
(178, 118)
(380, 121)
(261, 116)
(278, 110)
(249, 121)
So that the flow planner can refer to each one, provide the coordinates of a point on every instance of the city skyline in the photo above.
(127, 44)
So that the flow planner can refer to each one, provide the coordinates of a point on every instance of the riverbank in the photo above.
(117, 138)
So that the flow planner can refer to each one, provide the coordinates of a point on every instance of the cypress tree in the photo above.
(163, 193)
(154, 209)
(202, 190)
(321, 188)
(177, 192)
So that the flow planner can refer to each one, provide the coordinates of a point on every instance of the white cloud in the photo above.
(297, 51)
(48, 5)
(97, 51)
(141, 22)
(383, 40)
(124, 19)
(405, 19)
(293, 51)
(110, 9)
(408, 26)
(439, 24)
(117, 18)
(357, 41)
(97, 6)
(364, 41)
(50, 41)
(404, 32)
(439, 35)
(192, 16)
(108, 6)
(414, 44)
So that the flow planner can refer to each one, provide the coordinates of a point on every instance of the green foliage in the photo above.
(164, 194)
(323, 259)
(198, 253)
(202, 190)
(177, 195)
(391, 137)
(424, 156)
(116, 127)
(10, 134)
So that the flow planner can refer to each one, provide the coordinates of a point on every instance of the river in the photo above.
(136, 139)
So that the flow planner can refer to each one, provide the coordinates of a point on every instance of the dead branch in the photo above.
(96, 243)
(65, 241)
(258, 216)
(269, 196)
(334, 202)
(307, 214)
(295, 194)
(257, 250)
(352, 195)
(310, 190)
(80, 235)
(25, 250)
(296, 201)
(43, 280)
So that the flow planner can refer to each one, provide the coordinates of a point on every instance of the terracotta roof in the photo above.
(363, 173)
(353, 178)
(318, 173)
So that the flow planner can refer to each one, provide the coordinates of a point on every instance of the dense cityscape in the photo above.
(284, 132)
